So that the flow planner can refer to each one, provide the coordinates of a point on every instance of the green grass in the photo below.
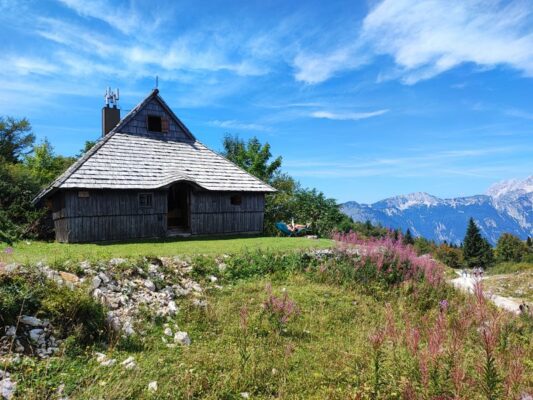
(509, 267)
(323, 354)
(52, 252)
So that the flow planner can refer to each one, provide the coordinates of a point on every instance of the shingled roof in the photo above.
(130, 158)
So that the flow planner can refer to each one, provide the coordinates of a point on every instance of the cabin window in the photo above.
(155, 123)
(236, 200)
(145, 200)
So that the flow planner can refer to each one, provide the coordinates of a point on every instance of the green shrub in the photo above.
(75, 312)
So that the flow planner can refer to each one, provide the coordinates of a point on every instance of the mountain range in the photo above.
(506, 207)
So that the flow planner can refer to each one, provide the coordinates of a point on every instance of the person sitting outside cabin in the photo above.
(296, 227)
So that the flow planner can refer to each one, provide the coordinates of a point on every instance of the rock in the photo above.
(11, 331)
(97, 281)
(129, 363)
(127, 328)
(117, 261)
(152, 386)
(68, 277)
(222, 267)
(168, 331)
(104, 278)
(108, 363)
(213, 278)
(182, 338)
(31, 321)
(100, 357)
(172, 308)
(36, 335)
(199, 303)
(7, 386)
(148, 284)
(245, 395)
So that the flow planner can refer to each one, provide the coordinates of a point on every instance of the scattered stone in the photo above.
(31, 321)
(213, 278)
(152, 386)
(172, 308)
(68, 277)
(97, 281)
(245, 395)
(168, 331)
(105, 279)
(129, 363)
(11, 331)
(182, 338)
(7, 386)
(148, 284)
(108, 363)
(199, 303)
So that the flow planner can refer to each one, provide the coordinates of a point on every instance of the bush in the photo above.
(71, 311)
(75, 312)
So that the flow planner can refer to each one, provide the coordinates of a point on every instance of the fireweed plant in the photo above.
(458, 346)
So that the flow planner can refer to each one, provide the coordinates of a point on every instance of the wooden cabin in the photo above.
(148, 176)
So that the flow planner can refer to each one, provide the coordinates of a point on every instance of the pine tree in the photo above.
(529, 242)
(477, 251)
(408, 238)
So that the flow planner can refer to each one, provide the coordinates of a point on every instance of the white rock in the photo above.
(127, 328)
(108, 363)
(97, 281)
(148, 284)
(152, 386)
(172, 308)
(245, 395)
(199, 303)
(129, 363)
(213, 278)
(100, 357)
(11, 330)
(36, 335)
(182, 338)
(7, 387)
(31, 321)
(168, 331)
(104, 277)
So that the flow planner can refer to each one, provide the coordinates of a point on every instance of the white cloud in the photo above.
(347, 116)
(520, 114)
(315, 68)
(427, 37)
(241, 126)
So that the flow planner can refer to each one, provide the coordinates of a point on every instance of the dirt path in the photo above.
(467, 283)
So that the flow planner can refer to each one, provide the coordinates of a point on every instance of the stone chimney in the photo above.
(110, 112)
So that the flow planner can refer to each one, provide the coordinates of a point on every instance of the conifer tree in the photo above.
(408, 238)
(529, 242)
(477, 251)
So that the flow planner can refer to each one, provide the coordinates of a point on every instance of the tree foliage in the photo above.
(291, 201)
(252, 156)
(510, 248)
(477, 251)
(16, 139)
(25, 168)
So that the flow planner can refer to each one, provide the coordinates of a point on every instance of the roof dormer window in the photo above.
(155, 123)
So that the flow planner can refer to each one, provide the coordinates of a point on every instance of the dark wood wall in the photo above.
(107, 215)
(213, 213)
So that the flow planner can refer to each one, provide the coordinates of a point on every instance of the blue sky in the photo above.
(363, 99)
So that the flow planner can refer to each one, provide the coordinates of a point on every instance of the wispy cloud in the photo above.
(520, 114)
(347, 116)
(454, 162)
(240, 126)
(427, 37)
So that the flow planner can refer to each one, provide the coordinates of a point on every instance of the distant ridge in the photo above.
(507, 206)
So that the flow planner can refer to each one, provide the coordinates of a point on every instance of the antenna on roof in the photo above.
(111, 98)
(156, 82)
